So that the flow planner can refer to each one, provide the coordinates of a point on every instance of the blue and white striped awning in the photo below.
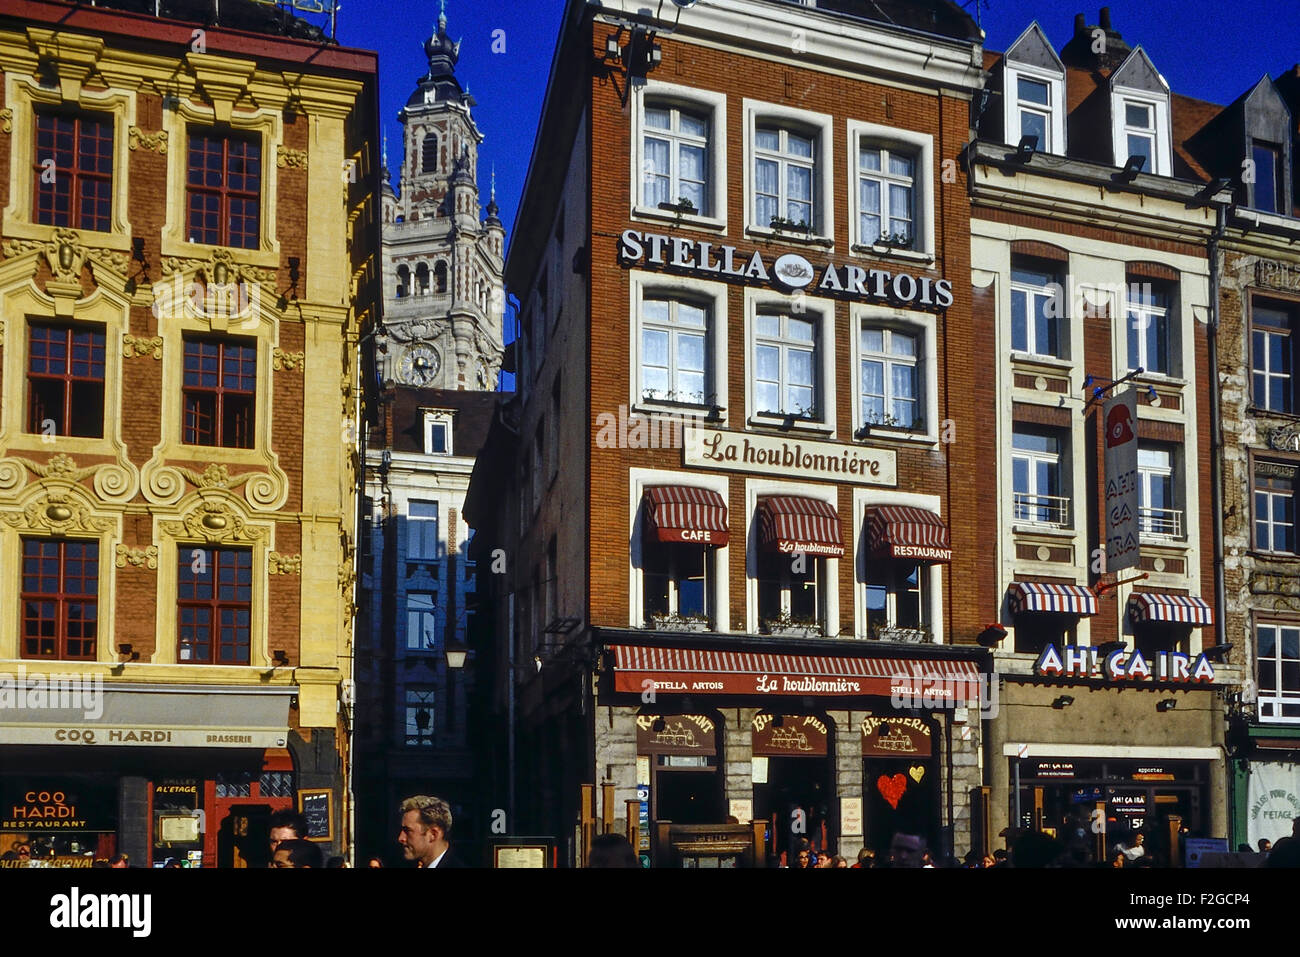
(1051, 597)
(1183, 609)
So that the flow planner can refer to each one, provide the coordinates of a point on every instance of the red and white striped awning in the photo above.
(1184, 609)
(793, 523)
(696, 671)
(901, 531)
(684, 513)
(1051, 597)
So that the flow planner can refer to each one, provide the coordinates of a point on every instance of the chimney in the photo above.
(1105, 19)
(1080, 24)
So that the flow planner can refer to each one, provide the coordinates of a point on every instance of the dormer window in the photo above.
(1268, 191)
(1140, 122)
(1140, 132)
(1034, 108)
(1033, 85)
(437, 433)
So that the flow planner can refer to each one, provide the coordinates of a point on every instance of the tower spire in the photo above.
(442, 16)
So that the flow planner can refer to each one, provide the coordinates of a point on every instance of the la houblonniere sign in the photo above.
(791, 272)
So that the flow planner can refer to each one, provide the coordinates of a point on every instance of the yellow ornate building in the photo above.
(189, 232)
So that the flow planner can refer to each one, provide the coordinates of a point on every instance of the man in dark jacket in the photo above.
(426, 823)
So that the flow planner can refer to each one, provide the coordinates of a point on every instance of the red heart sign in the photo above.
(891, 789)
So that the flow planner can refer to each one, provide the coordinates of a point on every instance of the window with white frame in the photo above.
(1159, 516)
(1036, 475)
(886, 195)
(419, 717)
(421, 621)
(790, 590)
(437, 434)
(1036, 312)
(1139, 132)
(891, 377)
(422, 530)
(1274, 502)
(1034, 111)
(785, 174)
(676, 579)
(785, 365)
(1278, 654)
(675, 151)
(895, 596)
(1272, 348)
(1149, 338)
(675, 351)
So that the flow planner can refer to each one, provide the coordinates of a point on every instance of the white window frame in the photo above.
(1270, 519)
(1031, 335)
(412, 521)
(1060, 460)
(432, 611)
(829, 573)
(646, 285)
(924, 326)
(932, 575)
(1161, 152)
(1286, 332)
(673, 328)
(716, 576)
(760, 300)
(921, 148)
(713, 107)
(1138, 312)
(1146, 475)
(819, 127)
(1280, 695)
(1012, 107)
(433, 420)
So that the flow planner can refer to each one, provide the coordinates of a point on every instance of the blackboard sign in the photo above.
(317, 806)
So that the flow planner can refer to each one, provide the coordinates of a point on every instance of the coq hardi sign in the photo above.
(790, 272)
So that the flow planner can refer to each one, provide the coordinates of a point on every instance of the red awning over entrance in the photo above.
(901, 531)
(684, 513)
(793, 523)
(695, 671)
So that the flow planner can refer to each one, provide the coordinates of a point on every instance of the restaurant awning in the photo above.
(684, 513)
(902, 531)
(1183, 609)
(793, 523)
(1051, 597)
(696, 671)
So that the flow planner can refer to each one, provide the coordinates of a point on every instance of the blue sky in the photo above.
(1209, 49)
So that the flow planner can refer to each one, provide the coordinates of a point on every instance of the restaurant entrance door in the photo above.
(793, 782)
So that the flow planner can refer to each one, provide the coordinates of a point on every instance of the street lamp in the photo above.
(456, 656)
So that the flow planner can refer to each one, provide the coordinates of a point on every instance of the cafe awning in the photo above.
(697, 671)
(685, 513)
(1052, 597)
(902, 531)
(1181, 609)
(793, 523)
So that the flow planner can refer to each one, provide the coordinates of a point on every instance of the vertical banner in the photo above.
(1121, 516)
(1273, 799)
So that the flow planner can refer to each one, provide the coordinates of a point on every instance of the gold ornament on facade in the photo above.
(138, 557)
(277, 564)
(213, 520)
(6, 120)
(218, 269)
(288, 361)
(61, 466)
(153, 142)
(135, 346)
(65, 255)
(287, 157)
(57, 511)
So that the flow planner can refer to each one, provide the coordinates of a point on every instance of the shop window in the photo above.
(65, 380)
(1037, 312)
(1272, 357)
(60, 599)
(234, 784)
(891, 367)
(785, 366)
(887, 185)
(220, 392)
(421, 621)
(1150, 332)
(214, 605)
(1274, 503)
(276, 784)
(419, 718)
(790, 591)
(74, 170)
(422, 531)
(896, 599)
(1278, 655)
(676, 580)
(1159, 516)
(675, 151)
(674, 352)
(1037, 478)
(224, 189)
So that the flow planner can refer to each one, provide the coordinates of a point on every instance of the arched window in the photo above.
(440, 276)
(403, 282)
(429, 157)
(422, 279)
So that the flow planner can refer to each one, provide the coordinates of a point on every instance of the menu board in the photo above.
(317, 807)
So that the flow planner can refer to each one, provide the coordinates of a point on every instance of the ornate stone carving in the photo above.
(146, 557)
(66, 255)
(154, 142)
(213, 520)
(60, 466)
(6, 120)
(286, 156)
(133, 346)
(219, 269)
(1285, 438)
(289, 361)
(277, 564)
(58, 510)
(165, 484)
(114, 481)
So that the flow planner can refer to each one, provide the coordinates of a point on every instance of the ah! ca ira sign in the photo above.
(1076, 661)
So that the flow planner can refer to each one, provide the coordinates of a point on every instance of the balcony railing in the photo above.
(1162, 523)
(1050, 511)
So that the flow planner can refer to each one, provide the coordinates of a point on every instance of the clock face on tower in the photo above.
(419, 366)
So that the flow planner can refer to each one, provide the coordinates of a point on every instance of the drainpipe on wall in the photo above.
(1216, 429)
